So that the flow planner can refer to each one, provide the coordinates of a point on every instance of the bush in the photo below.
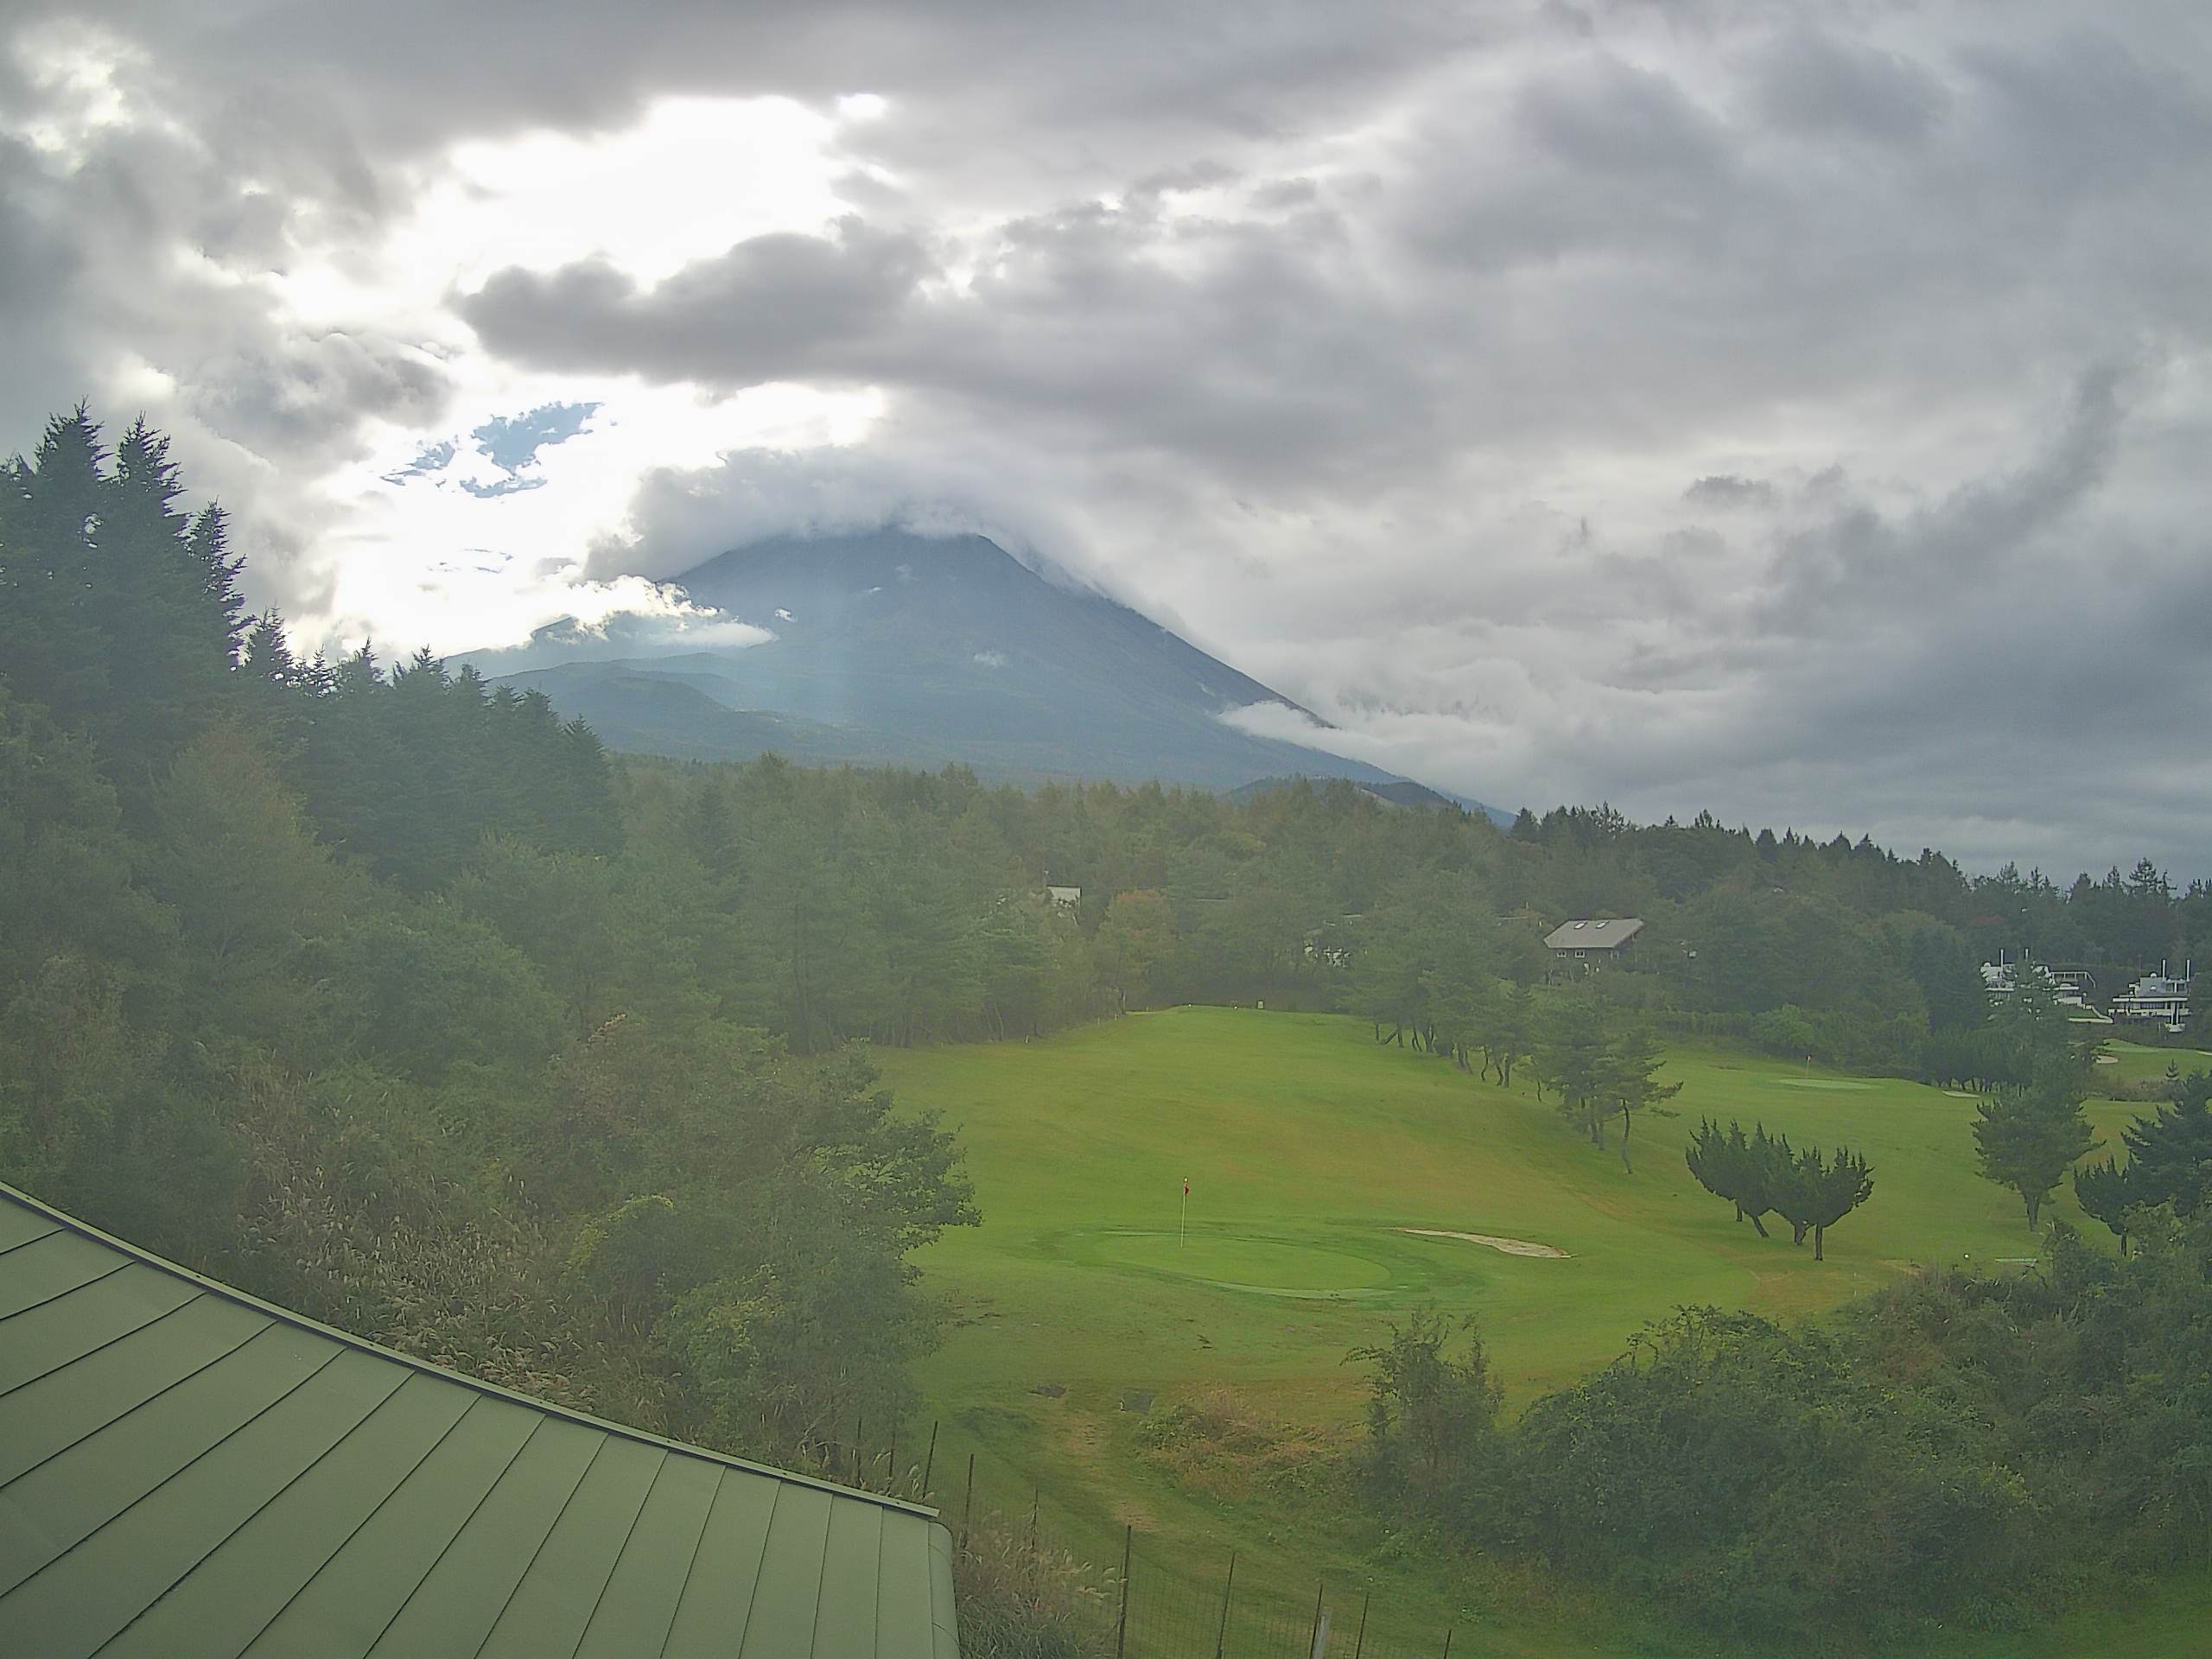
(1954, 1450)
(1215, 1445)
(1022, 1600)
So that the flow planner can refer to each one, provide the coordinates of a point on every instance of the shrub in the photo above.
(1216, 1445)
(1020, 1599)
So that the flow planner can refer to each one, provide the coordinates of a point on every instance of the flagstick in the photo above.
(1184, 1225)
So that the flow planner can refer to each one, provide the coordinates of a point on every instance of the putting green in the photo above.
(1274, 1267)
(1821, 1083)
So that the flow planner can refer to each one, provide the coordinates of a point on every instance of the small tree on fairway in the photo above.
(1511, 1035)
(2108, 1190)
(1710, 1164)
(1571, 1055)
(2027, 1137)
(1749, 1171)
(1816, 1194)
(1630, 1078)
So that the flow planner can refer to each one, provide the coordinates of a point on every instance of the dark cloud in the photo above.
(1727, 489)
(1691, 403)
(1810, 83)
(773, 308)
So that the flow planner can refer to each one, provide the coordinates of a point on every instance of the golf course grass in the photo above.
(1088, 1300)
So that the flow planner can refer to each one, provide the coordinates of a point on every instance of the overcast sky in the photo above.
(1800, 411)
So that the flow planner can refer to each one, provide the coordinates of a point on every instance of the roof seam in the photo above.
(875, 1624)
(753, 1596)
(312, 1464)
(120, 1336)
(137, 1406)
(515, 1589)
(615, 1566)
(179, 1472)
(98, 1278)
(489, 1390)
(474, 1509)
(428, 1451)
(821, 1575)
(24, 1243)
(676, 1612)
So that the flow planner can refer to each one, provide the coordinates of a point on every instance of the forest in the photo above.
(383, 993)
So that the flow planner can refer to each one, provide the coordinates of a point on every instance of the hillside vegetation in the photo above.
(388, 995)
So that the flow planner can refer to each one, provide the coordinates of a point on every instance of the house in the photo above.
(2157, 998)
(188, 1473)
(1590, 942)
(2070, 988)
(1067, 898)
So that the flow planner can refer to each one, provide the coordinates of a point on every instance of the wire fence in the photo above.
(1139, 1600)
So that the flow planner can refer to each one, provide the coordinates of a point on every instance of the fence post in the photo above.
(929, 1463)
(1221, 1639)
(968, 1507)
(857, 1448)
(1359, 1646)
(890, 1463)
(1313, 1633)
(1034, 1491)
(1122, 1620)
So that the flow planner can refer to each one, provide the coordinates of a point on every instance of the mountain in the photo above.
(1399, 792)
(889, 647)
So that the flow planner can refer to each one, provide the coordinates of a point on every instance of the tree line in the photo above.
(1955, 1449)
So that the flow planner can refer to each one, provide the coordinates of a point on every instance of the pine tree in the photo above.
(1630, 1077)
(2027, 1137)
(2108, 1190)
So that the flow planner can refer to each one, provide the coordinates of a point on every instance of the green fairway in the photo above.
(1308, 1149)
(2137, 1062)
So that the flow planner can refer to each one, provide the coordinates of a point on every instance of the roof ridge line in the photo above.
(300, 1321)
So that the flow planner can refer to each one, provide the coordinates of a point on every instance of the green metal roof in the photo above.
(187, 1473)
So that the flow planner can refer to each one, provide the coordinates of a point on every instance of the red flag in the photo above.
(1187, 1186)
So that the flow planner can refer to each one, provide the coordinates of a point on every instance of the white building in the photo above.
(2156, 998)
(2069, 987)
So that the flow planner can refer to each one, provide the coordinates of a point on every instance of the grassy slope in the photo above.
(1306, 1145)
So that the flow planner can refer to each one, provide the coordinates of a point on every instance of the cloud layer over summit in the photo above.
(1799, 411)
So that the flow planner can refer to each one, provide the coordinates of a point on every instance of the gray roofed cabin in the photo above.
(1591, 941)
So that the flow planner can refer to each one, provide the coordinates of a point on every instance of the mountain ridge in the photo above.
(893, 648)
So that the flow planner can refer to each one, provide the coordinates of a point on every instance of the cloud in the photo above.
(1726, 490)
(774, 306)
(630, 617)
(1696, 405)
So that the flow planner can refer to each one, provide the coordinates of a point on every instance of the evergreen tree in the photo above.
(1630, 1077)
(1814, 1194)
(2109, 1191)
(2027, 1137)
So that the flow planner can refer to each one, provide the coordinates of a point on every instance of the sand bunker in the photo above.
(1510, 1245)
